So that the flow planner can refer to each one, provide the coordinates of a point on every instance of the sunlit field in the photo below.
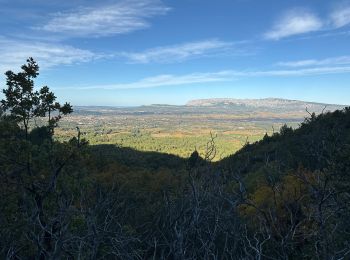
(169, 131)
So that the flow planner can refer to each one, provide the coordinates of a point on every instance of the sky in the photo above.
(140, 52)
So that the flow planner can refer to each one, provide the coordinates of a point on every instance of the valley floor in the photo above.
(178, 134)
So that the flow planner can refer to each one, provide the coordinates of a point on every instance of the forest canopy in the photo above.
(284, 197)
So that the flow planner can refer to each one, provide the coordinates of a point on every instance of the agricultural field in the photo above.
(180, 130)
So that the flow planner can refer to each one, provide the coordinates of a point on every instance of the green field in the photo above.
(175, 130)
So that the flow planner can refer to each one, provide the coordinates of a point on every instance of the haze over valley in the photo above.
(179, 130)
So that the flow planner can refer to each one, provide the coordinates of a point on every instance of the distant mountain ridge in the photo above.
(217, 106)
(265, 102)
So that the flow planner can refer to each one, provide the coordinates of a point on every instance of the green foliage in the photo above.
(283, 197)
(23, 103)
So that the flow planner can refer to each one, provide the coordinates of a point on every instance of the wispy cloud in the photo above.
(178, 53)
(221, 76)
(300, 72)
(342, 60)
(298, 21)
(294, 22)
(123, 17)
(14, 53)
(168, 80)
(340, 17)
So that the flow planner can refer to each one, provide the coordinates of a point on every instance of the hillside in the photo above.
(319, 143)
(286, 197)
(265, 104)
(212, 106)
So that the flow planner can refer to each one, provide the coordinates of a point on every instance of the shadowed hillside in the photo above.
(284, 197)
(318, 141)
(285, 193)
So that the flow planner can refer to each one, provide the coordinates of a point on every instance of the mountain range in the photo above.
(272, 103)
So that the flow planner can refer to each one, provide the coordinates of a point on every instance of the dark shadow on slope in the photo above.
(107, 154)
(318, 142)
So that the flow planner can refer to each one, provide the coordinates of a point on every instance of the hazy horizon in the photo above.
(216, 98)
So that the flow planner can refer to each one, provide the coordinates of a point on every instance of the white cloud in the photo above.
(342, 60)
(14, 53)
(299, 21)
(340, 17)
(301, 72)
(168, 80)
(293, 23)
(299, 63)
(122, 17)
(221, 76)
(178, 53)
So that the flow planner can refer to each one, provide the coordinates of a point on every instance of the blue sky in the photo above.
(135, 52)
